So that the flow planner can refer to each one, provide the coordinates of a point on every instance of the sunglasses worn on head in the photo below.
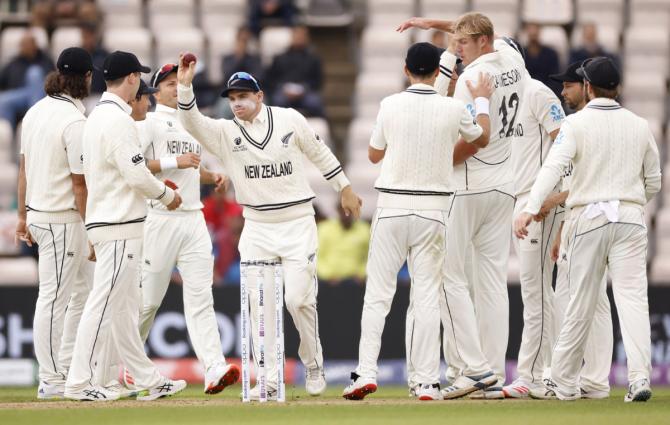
(243, 76)
(165, 69)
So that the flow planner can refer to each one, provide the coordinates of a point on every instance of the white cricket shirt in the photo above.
(51, 142)
(614, 158)
(162, 135)
(540, 114)
(419, 128)
(491, 166)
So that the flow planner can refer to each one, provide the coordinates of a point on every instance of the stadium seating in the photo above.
(274, 40)
(137, 40)
(9, 41)
(170, 44)
(63, 38)
(122, 13)
(221, 14)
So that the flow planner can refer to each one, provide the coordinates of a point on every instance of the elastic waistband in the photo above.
(413, 202)
(60, 217)
(157, 211)
(279, 215)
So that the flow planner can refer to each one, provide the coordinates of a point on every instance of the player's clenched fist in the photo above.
(351, 203)
(185, 72)
(176, 202)
(188, 160)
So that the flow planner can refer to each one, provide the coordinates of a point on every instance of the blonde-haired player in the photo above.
(484, 200)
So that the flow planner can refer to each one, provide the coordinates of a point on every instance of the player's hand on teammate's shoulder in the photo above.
(23, 233)
(221, 183)
(185, 72)
(176, 202)
(521, 223)
(351, 203)
(483, 88)
(188, 160)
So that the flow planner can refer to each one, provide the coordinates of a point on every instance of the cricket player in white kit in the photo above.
(262, 150)
(52, 207)
(616, 171)
(594, 375)
(180, 237)
(484, 201)
(539, 121)
(118, 182)
(415, 135)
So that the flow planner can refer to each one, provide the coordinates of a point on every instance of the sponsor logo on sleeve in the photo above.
(556, 113)
(137, 159)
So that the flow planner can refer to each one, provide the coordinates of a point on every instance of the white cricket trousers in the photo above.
(181, 239)
(592, 246)
(535, 274)
(295, 243)
(63, 288)
(594, 375)
(419, 237)
(112, 311)
(482, 219)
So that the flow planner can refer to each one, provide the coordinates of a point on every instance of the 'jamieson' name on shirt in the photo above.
(268, 171)
(507, 78)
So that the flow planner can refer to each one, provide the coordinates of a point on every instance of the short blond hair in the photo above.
(474, 24)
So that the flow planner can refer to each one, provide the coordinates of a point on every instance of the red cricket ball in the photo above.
(169, 183)
(188, 58)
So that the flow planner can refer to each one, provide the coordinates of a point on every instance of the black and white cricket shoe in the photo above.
(638, 391)
(166, 388)
(92, 393)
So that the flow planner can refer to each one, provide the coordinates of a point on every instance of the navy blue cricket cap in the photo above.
(422, 58)
(119, 64)
(145, 89)
(74, 61)
(570, 74)
(600, 72)
(241, 81)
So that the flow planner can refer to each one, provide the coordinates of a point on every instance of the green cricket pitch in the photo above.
(389, 405)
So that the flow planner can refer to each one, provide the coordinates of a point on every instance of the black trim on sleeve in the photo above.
(186, 106)
(162, 194)
(329, 175)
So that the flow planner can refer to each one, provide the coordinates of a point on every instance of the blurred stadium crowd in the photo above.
(274, 40)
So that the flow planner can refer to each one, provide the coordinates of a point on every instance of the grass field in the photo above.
(390, 405)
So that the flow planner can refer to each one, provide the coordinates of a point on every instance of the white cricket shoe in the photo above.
(315, 381)
(92, 393)
(117, 387)
(220, 376)
(494, 392)
(359, 387)
(594, 394)
(638, 391)
(464, 385)
(428, 392)
(550, 391)
(255, 392)
(166, 388)
(50, 392)
(517, 389)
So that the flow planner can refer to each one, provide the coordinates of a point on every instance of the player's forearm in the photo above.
(137, 176)
(80, 193)
(154, 165)
(441, 25)
(21, 189)
(206, 176)
(331, 169)
(206, 130)
(447, 66)
(464, 150)
(485, 123)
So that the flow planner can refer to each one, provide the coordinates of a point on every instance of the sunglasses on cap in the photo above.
(162, 72)
(243, 76)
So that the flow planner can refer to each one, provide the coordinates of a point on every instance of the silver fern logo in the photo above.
(285, 139)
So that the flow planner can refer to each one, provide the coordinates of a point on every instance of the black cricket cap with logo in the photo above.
(119, 64)
(600, 72)
(422, 58)
(74, 61)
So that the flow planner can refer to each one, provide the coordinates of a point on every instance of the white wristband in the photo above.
(169, 163)
(482, 106)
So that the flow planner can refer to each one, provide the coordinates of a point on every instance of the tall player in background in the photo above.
(540, 119)
(52, 206)
(263, 149)
(616, 171)
(180, 237)
(594, 374)
(484, 200)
